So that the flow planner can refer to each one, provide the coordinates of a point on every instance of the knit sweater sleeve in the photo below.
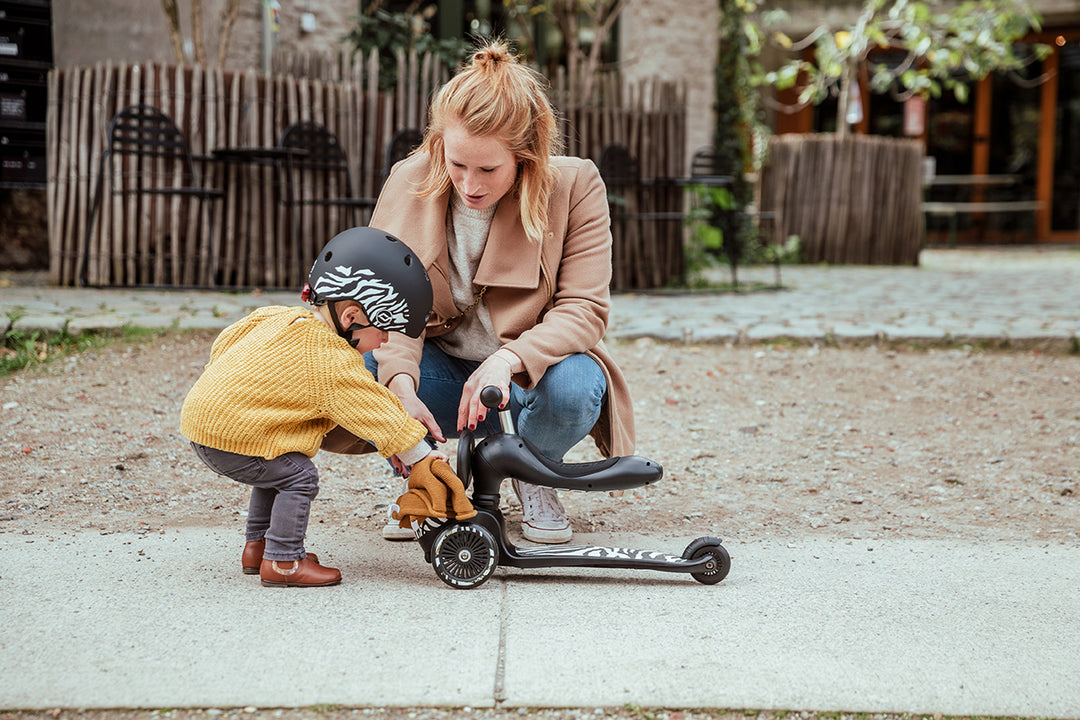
(354, 400)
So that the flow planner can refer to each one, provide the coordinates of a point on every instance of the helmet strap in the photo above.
(345, 333)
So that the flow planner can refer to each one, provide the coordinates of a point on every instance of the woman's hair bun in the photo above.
(491, 54)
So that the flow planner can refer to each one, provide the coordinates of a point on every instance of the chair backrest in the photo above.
(157, 144)
(617, 166)
(402, 143)
(703, 162)
(322, 153)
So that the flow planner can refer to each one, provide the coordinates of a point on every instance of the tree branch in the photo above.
(172, 14)
(228, 19)
(197, 32)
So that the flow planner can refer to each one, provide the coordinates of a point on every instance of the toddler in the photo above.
(286, 381)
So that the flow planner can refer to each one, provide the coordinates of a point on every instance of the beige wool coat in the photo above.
(547, 301)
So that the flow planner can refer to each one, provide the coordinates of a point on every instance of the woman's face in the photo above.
(482, 168)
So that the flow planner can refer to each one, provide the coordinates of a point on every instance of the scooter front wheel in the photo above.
(714, 571)
(464, 555)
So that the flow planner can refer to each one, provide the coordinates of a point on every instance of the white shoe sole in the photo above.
(391, 531)
(548, 537)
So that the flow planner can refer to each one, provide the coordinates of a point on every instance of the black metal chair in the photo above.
(146, 154)
(703, 162)
(617, 166)
(318, 190)
(704, 169)
(646, 227)
(619, 171)
(401, 143)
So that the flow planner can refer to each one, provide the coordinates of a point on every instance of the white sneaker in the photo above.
(544, 518)
(391, 531)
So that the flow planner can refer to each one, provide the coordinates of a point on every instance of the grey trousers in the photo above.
(281, 493)
(281, 490)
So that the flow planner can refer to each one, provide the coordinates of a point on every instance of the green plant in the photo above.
(735, 107)
(391, 33)
(705, 241)
(638, 712)
(789, 253)
(23, 349)
(582, 29)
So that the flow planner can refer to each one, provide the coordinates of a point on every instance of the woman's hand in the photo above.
(402, 386)
(496, 370)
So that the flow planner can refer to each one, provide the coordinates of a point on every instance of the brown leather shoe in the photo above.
(297, 573)
(252, 557)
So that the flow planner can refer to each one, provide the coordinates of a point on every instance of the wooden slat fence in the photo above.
(851, 201)
(649, 119)
(251, 242)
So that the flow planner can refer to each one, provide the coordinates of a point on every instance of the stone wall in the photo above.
(136, 30)
(674, 40)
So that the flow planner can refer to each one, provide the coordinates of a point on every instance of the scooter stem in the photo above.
(491, 397)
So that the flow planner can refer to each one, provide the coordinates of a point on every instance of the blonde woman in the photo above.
(517, 242)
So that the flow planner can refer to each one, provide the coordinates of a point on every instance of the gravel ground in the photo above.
(756, 441)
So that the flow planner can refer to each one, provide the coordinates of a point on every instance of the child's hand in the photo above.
(402, 469)
(439, 455)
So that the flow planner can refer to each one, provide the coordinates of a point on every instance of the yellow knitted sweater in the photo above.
(279, 380)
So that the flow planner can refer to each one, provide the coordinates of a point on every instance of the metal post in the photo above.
(270, 27)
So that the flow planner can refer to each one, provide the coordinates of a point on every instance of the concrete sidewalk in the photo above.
(168, 620)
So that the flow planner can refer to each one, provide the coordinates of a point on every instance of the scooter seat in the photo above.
(502, 456)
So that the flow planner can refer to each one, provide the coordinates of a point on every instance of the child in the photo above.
(284, 378)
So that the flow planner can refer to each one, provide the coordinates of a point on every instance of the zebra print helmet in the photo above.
(379, 272)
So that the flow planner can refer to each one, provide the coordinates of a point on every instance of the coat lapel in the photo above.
(430, 219)
(509, 259)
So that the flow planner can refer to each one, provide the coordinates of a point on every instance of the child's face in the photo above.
(367, 338)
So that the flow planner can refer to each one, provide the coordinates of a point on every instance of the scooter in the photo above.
(465, 553)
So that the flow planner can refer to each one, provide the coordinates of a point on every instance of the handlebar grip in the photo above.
(491, 397)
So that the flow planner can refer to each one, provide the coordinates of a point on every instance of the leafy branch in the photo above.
(941, 49)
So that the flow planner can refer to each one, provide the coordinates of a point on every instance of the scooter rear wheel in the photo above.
(716, 570)
(464, 555)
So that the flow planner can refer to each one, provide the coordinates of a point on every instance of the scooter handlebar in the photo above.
(491, 397)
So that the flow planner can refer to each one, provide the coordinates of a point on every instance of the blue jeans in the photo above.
(281, 493)
(555, 415)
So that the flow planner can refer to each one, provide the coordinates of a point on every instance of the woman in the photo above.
(517, 243)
